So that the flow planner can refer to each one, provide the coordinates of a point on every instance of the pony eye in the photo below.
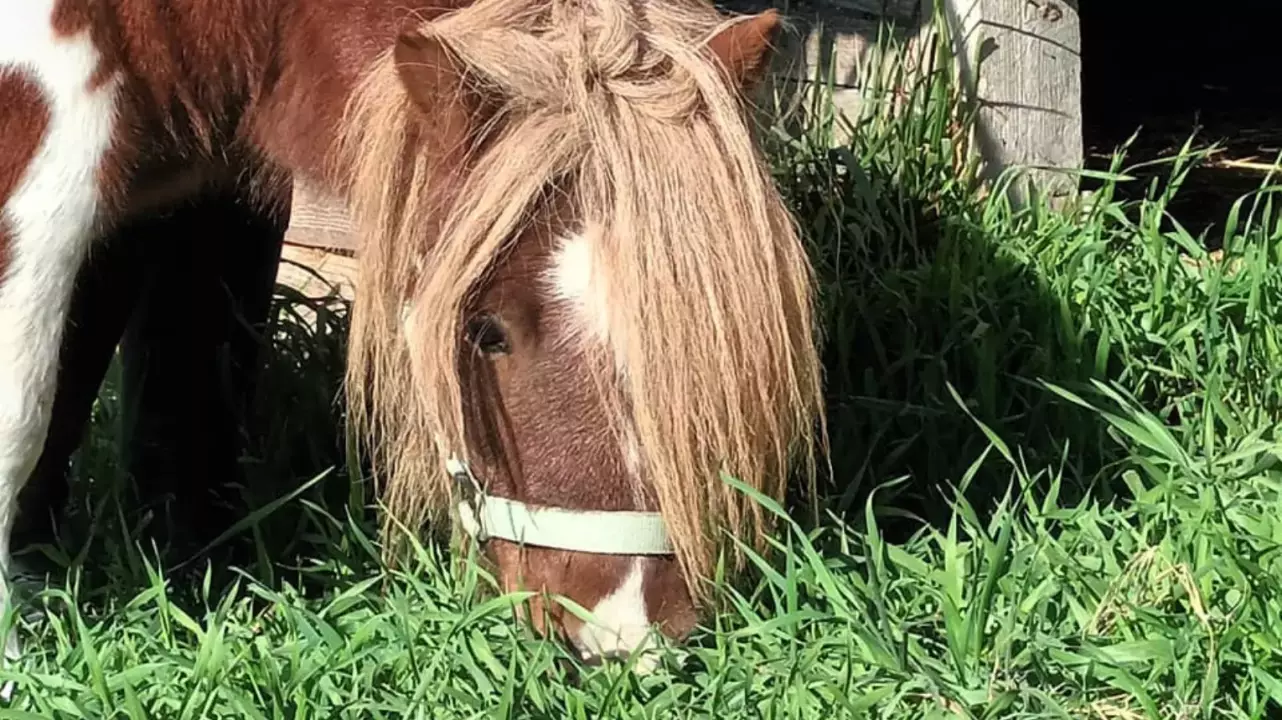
(486, 333)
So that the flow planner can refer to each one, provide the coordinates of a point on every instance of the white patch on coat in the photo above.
(50, 218)
(576, 279)
(621, 624)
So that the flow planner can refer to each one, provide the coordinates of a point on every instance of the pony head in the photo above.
(581, 291)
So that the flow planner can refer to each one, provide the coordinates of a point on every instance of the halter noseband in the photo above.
(608, 532)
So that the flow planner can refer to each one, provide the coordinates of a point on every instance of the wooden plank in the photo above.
(318, 219)
(832, 39)
(334, 268)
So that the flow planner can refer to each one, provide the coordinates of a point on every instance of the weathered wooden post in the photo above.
(1022, 59)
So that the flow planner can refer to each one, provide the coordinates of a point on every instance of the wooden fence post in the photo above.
(1022, 60)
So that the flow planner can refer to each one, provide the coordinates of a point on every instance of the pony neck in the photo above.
(322, 49)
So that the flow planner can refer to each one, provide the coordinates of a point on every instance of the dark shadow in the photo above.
(916, 301)
(200, 422)
(1173, 69)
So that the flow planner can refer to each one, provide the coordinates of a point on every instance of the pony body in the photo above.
(574, 269)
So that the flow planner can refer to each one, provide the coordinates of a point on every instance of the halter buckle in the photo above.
(471, 497)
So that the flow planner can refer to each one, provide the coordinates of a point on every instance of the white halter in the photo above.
(621, 532)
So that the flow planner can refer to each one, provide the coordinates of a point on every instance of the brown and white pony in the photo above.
(580, 292)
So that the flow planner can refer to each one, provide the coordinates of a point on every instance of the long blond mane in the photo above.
(710, 291)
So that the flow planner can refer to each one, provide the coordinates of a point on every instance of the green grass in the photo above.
(1055, 494)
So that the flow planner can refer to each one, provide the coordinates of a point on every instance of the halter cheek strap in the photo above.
(622, 532)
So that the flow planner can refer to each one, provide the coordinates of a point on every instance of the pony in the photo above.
(581, 299)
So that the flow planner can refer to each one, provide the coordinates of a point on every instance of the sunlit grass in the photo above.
(1056, 493)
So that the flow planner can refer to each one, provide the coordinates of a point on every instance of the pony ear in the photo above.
(744, 48)
(434, 78)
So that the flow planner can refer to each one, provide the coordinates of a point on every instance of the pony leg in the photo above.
(106, 292)
(57, 123)
(34, 297)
